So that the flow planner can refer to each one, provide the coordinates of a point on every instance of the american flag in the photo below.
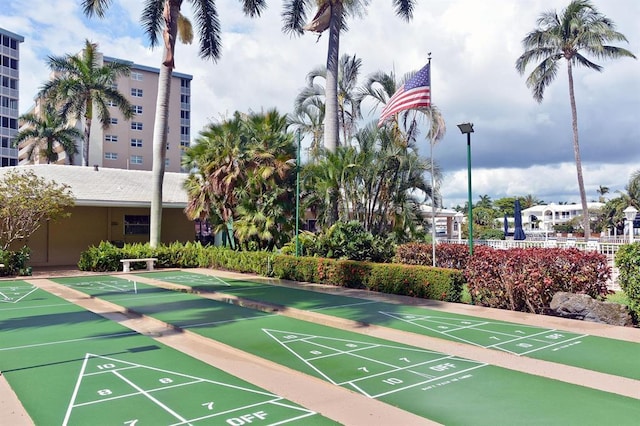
(414, 94)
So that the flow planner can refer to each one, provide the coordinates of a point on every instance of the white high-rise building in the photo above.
(9, 95)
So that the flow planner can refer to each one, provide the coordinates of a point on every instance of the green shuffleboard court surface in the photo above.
(611, 356)
(69, 366)
(443, 388)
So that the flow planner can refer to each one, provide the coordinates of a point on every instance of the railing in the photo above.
(603, 246)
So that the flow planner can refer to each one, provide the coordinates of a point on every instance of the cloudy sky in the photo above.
(519, 146)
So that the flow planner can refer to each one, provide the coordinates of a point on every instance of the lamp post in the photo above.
(467, 129)
(630, 214)
(458, 219)
(298, 195)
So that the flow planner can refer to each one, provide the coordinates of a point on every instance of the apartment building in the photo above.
(128, 144)
(9, 95)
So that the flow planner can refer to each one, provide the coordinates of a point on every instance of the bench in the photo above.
(126, 263)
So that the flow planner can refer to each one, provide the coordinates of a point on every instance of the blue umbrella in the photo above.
(518, 233)
(506, 226)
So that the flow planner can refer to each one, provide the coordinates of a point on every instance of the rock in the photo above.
(583, 307)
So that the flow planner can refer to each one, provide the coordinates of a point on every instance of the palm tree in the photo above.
(162, 18)
(83, 88)
(580, 28)
(601, 191)
(348, 105)
(332, 15)
(45, 132)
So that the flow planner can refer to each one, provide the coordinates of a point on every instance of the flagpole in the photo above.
(433, 187)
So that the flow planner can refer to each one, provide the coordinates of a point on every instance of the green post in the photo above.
(470, 218)
(298, 196)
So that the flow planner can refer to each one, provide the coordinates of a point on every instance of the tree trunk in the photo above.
(171, 12)
(331, 91)
(85, 140)
(576, 152)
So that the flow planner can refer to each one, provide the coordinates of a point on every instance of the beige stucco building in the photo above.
(110, 205)
(128, 144)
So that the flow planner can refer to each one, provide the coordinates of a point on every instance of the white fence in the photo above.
(606, 247)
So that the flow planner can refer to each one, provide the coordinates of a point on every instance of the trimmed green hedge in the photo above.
(628, 262)
(418, 281)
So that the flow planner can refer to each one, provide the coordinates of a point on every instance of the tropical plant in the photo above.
(348, 106)
(45, 132)
(83, 89)
(162, 18)
(27, 202)
(579, 29)
(241, 179)
(332, 15)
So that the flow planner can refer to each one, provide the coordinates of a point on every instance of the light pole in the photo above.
(298, 195)
(630, 214)
(458, 219)
(467, 129)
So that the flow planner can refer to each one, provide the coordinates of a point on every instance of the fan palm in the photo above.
(332, 15)
(44, 133)
(84, 89)
(162, 19)
(579, 29)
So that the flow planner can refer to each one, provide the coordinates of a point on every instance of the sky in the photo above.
(518, 147)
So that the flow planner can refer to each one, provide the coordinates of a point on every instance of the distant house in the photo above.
(545, 216)
(110, 205)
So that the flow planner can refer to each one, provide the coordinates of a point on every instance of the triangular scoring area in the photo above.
(129, 393)
(13, 293)
(372, 369)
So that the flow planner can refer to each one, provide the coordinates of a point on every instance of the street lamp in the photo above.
(467, 129)
(458, 219)
(630, 214)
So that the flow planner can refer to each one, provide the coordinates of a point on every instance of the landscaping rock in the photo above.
(583, 307)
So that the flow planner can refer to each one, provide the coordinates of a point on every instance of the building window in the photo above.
(136, 93)
(111, 138)
(136, 125)
(111, 103)
(136, 225)
(110, 155)
(184, 143)
(185, 114)
(136, 143)
(185, 99)
(136, 76)
(137, 109)
(114, 86)
(185, 83)
(113, 120)
(136, 159)
(184, 130)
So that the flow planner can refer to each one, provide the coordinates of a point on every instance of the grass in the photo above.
(618, 297)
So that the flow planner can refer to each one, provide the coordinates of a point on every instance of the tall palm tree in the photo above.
(348, 105)
(45, 132)
(83, 88)
(332, 15)
(162, 18)
(579, 28)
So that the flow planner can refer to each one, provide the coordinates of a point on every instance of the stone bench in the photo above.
(126, 263)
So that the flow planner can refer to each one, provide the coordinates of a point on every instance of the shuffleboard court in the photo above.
(595, 353)
(69, 366)
(437, 386)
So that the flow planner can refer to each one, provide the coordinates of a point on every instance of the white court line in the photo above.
(523, 338)
(33, 307)
(395, 370)
(58, 342)
(33, 288)
(427, 381)
(344, 306)
(555, 344)
(203, 324)
(232, 410)
(75, 391)
(151, 397)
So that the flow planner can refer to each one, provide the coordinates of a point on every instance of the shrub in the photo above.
(453, 256)
(628, 262)
(349, 240)
(526, 279)
(15, 262)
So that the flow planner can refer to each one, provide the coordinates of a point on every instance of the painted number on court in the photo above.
(246, 419)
